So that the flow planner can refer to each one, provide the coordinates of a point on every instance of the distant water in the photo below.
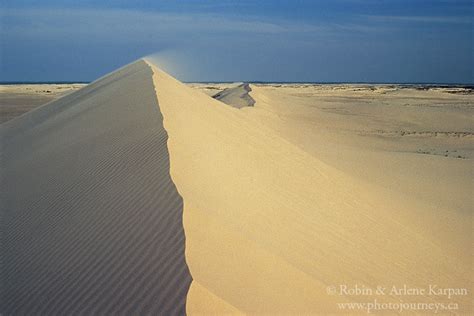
(42, 82)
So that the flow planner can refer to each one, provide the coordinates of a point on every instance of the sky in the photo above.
(419, 41)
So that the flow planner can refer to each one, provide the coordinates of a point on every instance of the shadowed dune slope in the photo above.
(91, 221)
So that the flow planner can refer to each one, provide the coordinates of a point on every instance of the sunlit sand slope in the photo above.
(270, 229)
(91, 221)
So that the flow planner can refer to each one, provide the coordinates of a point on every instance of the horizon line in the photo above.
(464, 84)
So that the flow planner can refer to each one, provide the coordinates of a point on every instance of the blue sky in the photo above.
(230, 40)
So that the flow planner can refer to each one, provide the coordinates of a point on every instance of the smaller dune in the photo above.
(238, 97)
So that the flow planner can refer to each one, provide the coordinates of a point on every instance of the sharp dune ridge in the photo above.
(139, 194)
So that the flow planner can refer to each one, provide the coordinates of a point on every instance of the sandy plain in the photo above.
(16, 99)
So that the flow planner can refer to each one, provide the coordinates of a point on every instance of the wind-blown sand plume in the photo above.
(269, 226)
(91, 221)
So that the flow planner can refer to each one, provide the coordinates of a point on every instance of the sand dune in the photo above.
(269, 226)
(237, 96)
(91, 221)
(280, 201)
